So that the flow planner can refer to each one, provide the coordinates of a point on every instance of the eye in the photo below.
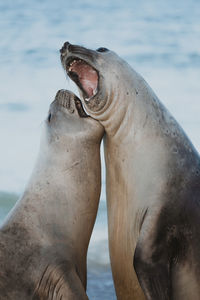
(102, 49)
(49, 117)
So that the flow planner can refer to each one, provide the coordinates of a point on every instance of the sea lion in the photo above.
(152, 179)
(44, 240)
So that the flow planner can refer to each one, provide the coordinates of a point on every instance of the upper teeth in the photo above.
(71, 64)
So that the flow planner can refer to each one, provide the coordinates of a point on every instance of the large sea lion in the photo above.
(152, 180)
(44, 240)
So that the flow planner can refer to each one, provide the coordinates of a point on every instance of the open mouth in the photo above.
(84, 75)
(65, 98)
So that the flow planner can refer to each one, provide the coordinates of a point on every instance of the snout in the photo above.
(70, 102)
(68, 48)
(63, 98)
(65, 48)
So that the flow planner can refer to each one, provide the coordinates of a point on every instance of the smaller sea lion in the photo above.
(44, 240)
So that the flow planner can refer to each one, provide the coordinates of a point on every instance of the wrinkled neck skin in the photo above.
(52, 222)
(128, 102)
(119, 97)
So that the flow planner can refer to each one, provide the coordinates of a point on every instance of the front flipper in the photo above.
(155, 253)
(60, 281)
(153, 273)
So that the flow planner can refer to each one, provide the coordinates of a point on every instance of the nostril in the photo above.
(64, 47)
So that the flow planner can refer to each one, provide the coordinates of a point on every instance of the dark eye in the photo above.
(49, 117)
(102, 49)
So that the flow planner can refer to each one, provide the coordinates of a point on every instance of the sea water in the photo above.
(159, 38)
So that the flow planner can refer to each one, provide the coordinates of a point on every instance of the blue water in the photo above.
(159, 38)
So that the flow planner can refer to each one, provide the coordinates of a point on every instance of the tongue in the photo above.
(87, 76)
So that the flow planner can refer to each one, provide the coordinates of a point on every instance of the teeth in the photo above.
(72, 63)
(94, 92)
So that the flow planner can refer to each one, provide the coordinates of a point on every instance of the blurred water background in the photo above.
(160, 39)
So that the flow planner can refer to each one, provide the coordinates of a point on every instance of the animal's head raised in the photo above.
(69, 134)
(67, 120)
(98, 74)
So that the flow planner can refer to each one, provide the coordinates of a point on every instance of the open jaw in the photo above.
(84, 75)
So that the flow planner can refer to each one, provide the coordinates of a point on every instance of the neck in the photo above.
(115, 113)
(130, 105)
(56, 207)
